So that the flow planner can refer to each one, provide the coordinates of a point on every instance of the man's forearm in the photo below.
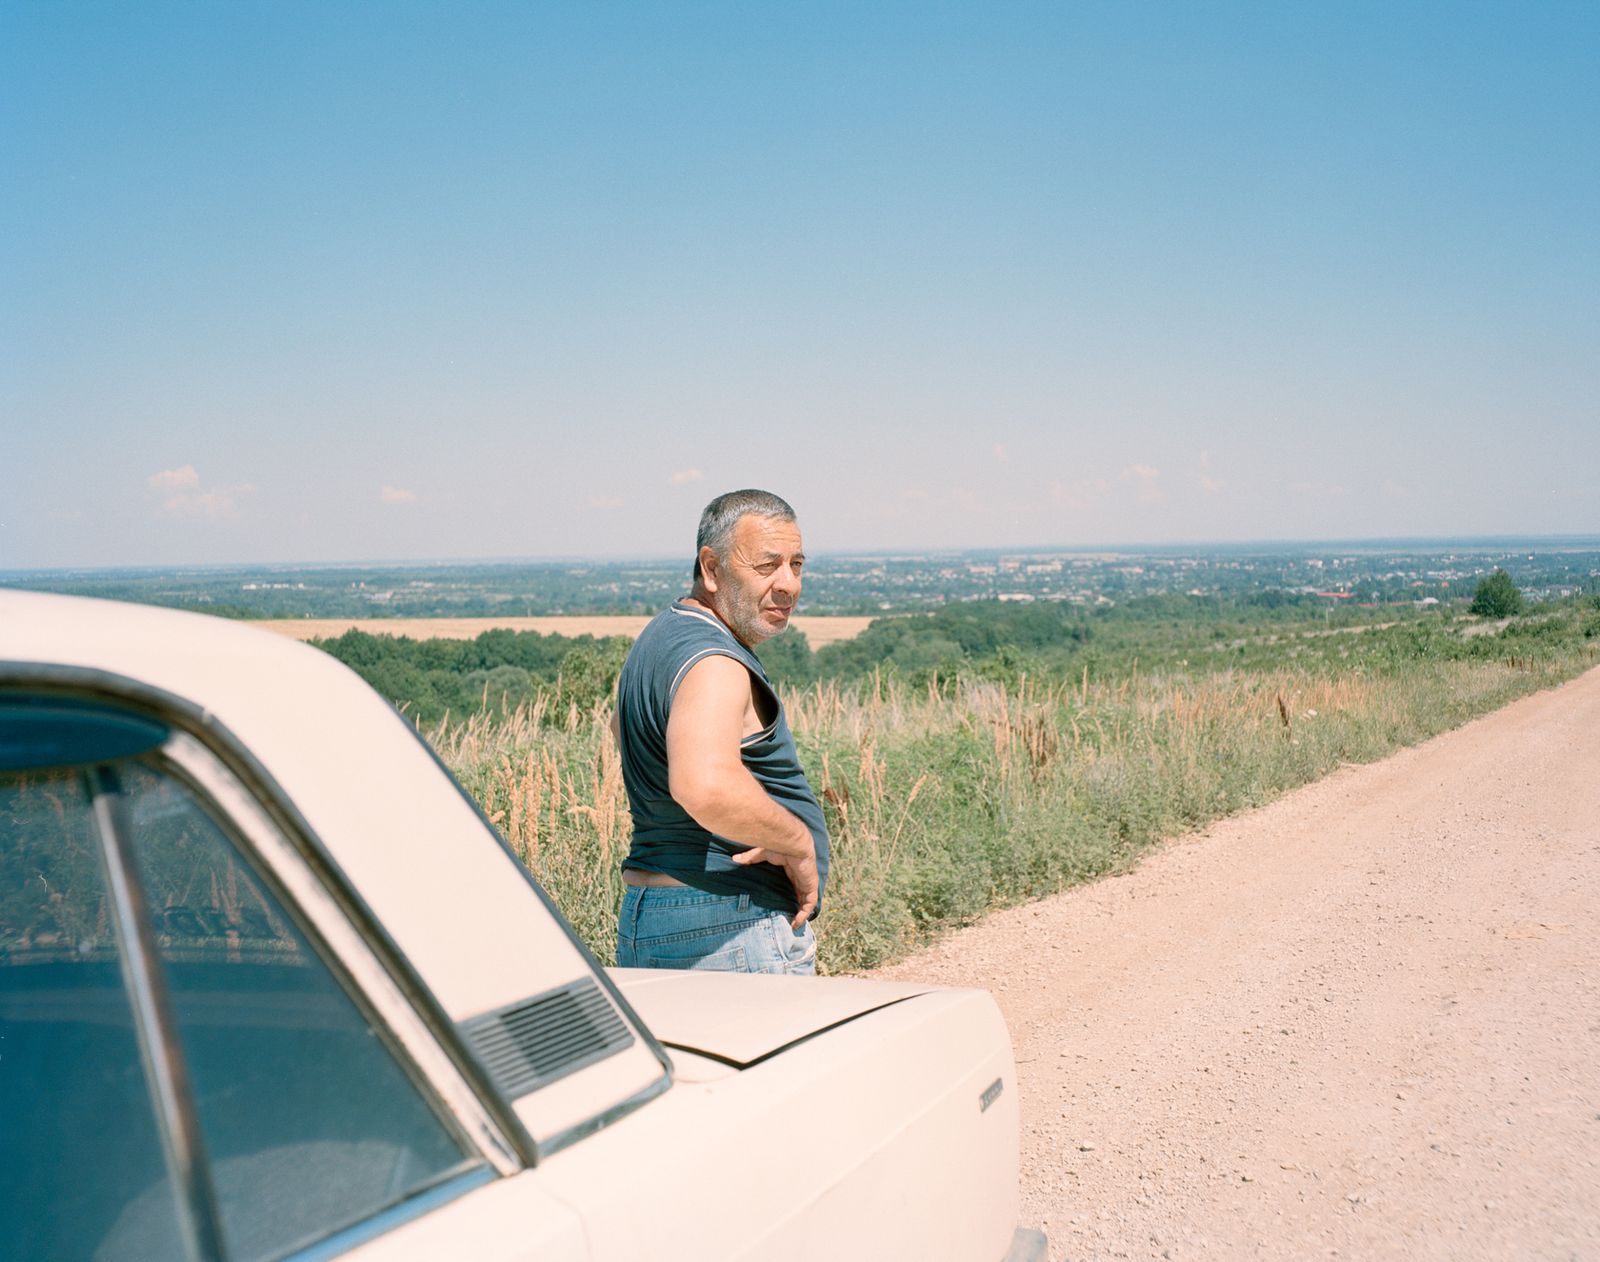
(738, 808)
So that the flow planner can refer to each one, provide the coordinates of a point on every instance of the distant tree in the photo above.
(788, 659)
(359, 650)
(502, 688)
(918, 655)
(1498, 596)
(589, 672)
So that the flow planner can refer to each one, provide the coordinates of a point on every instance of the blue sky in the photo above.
(316, 282)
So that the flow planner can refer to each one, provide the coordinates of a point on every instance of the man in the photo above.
(730, 852)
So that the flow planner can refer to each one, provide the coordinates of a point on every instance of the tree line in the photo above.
(986, 639)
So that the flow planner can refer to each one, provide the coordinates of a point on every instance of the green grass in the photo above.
(947, 798)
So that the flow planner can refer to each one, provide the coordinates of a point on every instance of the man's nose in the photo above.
(787, 580)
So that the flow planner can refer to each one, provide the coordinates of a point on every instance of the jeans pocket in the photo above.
(715, 949)
(795, 950)
(690, 929)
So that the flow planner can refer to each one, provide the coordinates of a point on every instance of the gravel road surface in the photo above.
(1361, 1022)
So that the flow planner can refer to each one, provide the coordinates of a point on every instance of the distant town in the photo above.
(1368, 573)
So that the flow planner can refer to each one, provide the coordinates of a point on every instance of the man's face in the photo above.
(759, 583)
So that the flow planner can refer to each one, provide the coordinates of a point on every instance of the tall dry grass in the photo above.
(554, 790)
(948, 800)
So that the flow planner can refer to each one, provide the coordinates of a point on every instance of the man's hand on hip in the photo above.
(802, 870)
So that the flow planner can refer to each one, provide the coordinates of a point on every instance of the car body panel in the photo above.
(513, 1220)
(848, 1137)
(783, 1160)
(742, 1018)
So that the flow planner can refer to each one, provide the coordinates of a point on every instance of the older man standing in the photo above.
(730, 852)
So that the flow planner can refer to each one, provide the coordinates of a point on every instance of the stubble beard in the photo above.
(743, 616)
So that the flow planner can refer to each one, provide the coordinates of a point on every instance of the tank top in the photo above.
(665, 838)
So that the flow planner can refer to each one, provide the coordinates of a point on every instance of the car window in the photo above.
(78, 1137)
(309, 1123)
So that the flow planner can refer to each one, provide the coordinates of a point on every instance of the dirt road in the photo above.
(1362, 1022)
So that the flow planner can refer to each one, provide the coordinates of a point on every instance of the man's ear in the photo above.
(708, 569)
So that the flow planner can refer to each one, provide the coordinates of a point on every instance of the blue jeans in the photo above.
(688, 928)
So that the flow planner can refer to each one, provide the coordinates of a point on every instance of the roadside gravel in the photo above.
(1363, 1021)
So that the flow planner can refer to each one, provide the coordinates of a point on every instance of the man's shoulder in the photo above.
(675, 636)
(685, 626)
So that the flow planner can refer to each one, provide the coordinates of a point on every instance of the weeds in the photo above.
(951, 797)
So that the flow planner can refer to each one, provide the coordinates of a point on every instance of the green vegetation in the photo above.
(498, 672)
(989, 640)
(1497, 596)
(993, 756)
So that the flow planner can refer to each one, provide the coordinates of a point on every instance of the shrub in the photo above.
(1497, 596)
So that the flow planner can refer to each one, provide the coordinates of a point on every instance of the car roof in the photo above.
(192, 655)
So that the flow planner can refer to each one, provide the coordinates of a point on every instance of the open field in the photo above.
(818, 630)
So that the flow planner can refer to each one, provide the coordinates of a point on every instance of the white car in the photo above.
(272, 987)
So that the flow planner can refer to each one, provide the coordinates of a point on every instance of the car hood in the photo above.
(742, 1018)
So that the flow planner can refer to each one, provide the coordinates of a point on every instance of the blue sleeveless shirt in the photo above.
(665, 838)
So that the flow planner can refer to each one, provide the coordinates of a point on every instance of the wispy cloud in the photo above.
(180, 494)
(173, 479)
(1209, 485)
(1147, 480)
(397, 495)
(685, 476)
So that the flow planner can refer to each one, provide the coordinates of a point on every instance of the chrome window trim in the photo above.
(352, 954)
(166, 1072)
(393, 1218)
(606, 1117)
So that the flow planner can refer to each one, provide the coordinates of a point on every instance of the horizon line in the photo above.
(1572, 541)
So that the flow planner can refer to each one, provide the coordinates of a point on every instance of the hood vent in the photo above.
(534, 1042)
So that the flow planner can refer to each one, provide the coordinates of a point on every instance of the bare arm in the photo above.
(706, 776)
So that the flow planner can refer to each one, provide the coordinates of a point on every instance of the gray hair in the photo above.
(724, 513)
